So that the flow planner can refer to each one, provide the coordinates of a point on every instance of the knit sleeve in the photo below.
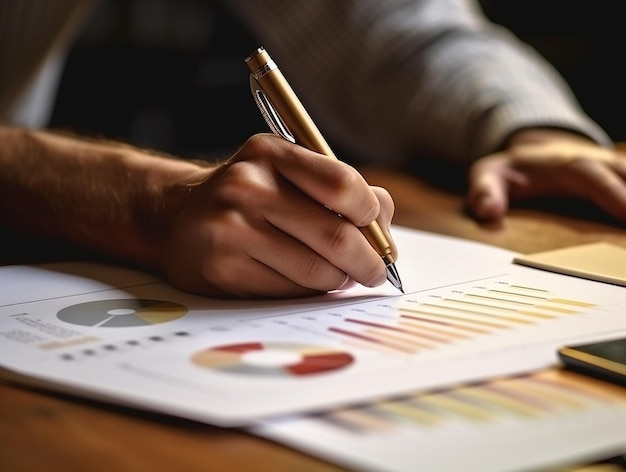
(389, 80)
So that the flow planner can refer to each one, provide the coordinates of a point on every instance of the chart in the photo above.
(234, 362)
(463, 313)
(551, 417)
(272, 359)
(122, 313)
(527, 398)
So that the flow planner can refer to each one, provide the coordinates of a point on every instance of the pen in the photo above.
(286, 116)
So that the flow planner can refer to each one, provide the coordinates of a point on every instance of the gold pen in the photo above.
(287, 117)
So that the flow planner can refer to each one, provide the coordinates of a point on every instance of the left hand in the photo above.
(548, 163)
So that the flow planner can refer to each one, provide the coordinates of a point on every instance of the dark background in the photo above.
(585, 40)
(164, 74)
(170, 75)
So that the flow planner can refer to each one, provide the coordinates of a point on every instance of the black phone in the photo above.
(603, 359)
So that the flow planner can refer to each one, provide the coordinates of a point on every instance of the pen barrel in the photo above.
(374, 234)
(300, 124)
(293, 114)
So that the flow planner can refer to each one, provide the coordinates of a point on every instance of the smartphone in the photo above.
(604, 359)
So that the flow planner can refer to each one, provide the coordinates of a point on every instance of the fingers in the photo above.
(573, 168)
(328, 181)
(332, 239)
(260, 226)
(298, 263)
(489, 184)
(229, 254)
(265, 262)
(387, 206)
(323, 182)
(604, 185)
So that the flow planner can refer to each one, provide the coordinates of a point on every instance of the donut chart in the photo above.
(272, 359)
(122, 313)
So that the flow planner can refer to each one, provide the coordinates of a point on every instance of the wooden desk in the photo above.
(40, 431)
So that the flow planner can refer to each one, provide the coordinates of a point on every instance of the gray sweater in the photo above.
(386, 80)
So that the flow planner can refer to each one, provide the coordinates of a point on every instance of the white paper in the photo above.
(539, 421)
(127, 337)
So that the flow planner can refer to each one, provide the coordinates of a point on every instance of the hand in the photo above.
(548, 163)
(260, 225)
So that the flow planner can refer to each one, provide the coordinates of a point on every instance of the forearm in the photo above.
(100, 196)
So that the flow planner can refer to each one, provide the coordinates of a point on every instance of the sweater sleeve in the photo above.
(34, 39)
(390, 80)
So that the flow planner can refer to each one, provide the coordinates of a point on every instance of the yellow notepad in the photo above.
(595, 261)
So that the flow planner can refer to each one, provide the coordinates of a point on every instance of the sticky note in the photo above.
(599, 261)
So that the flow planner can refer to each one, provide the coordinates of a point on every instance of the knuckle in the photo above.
(243, 185)
(312, 267)
(260, 147)
(348, 182)
(337, 237)
(256, 144)
(319, 274)
(346, 179)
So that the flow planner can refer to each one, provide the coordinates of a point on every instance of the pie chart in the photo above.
(122, 313)
(272, 359)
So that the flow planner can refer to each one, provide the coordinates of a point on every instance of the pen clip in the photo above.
(269, 113)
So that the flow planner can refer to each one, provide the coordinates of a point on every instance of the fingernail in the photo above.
(347, 283)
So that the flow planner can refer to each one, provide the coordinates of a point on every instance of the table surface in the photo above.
(40, 430)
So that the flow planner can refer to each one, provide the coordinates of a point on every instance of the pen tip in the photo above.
(394, 277)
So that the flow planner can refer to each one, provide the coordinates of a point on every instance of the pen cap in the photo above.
(286, 103)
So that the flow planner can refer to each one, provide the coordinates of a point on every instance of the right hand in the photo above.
(259, 225)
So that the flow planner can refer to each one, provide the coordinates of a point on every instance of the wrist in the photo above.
(542, 135)
(163, 193)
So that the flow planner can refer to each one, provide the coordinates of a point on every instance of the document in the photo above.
(546, 420)
(468, 314)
